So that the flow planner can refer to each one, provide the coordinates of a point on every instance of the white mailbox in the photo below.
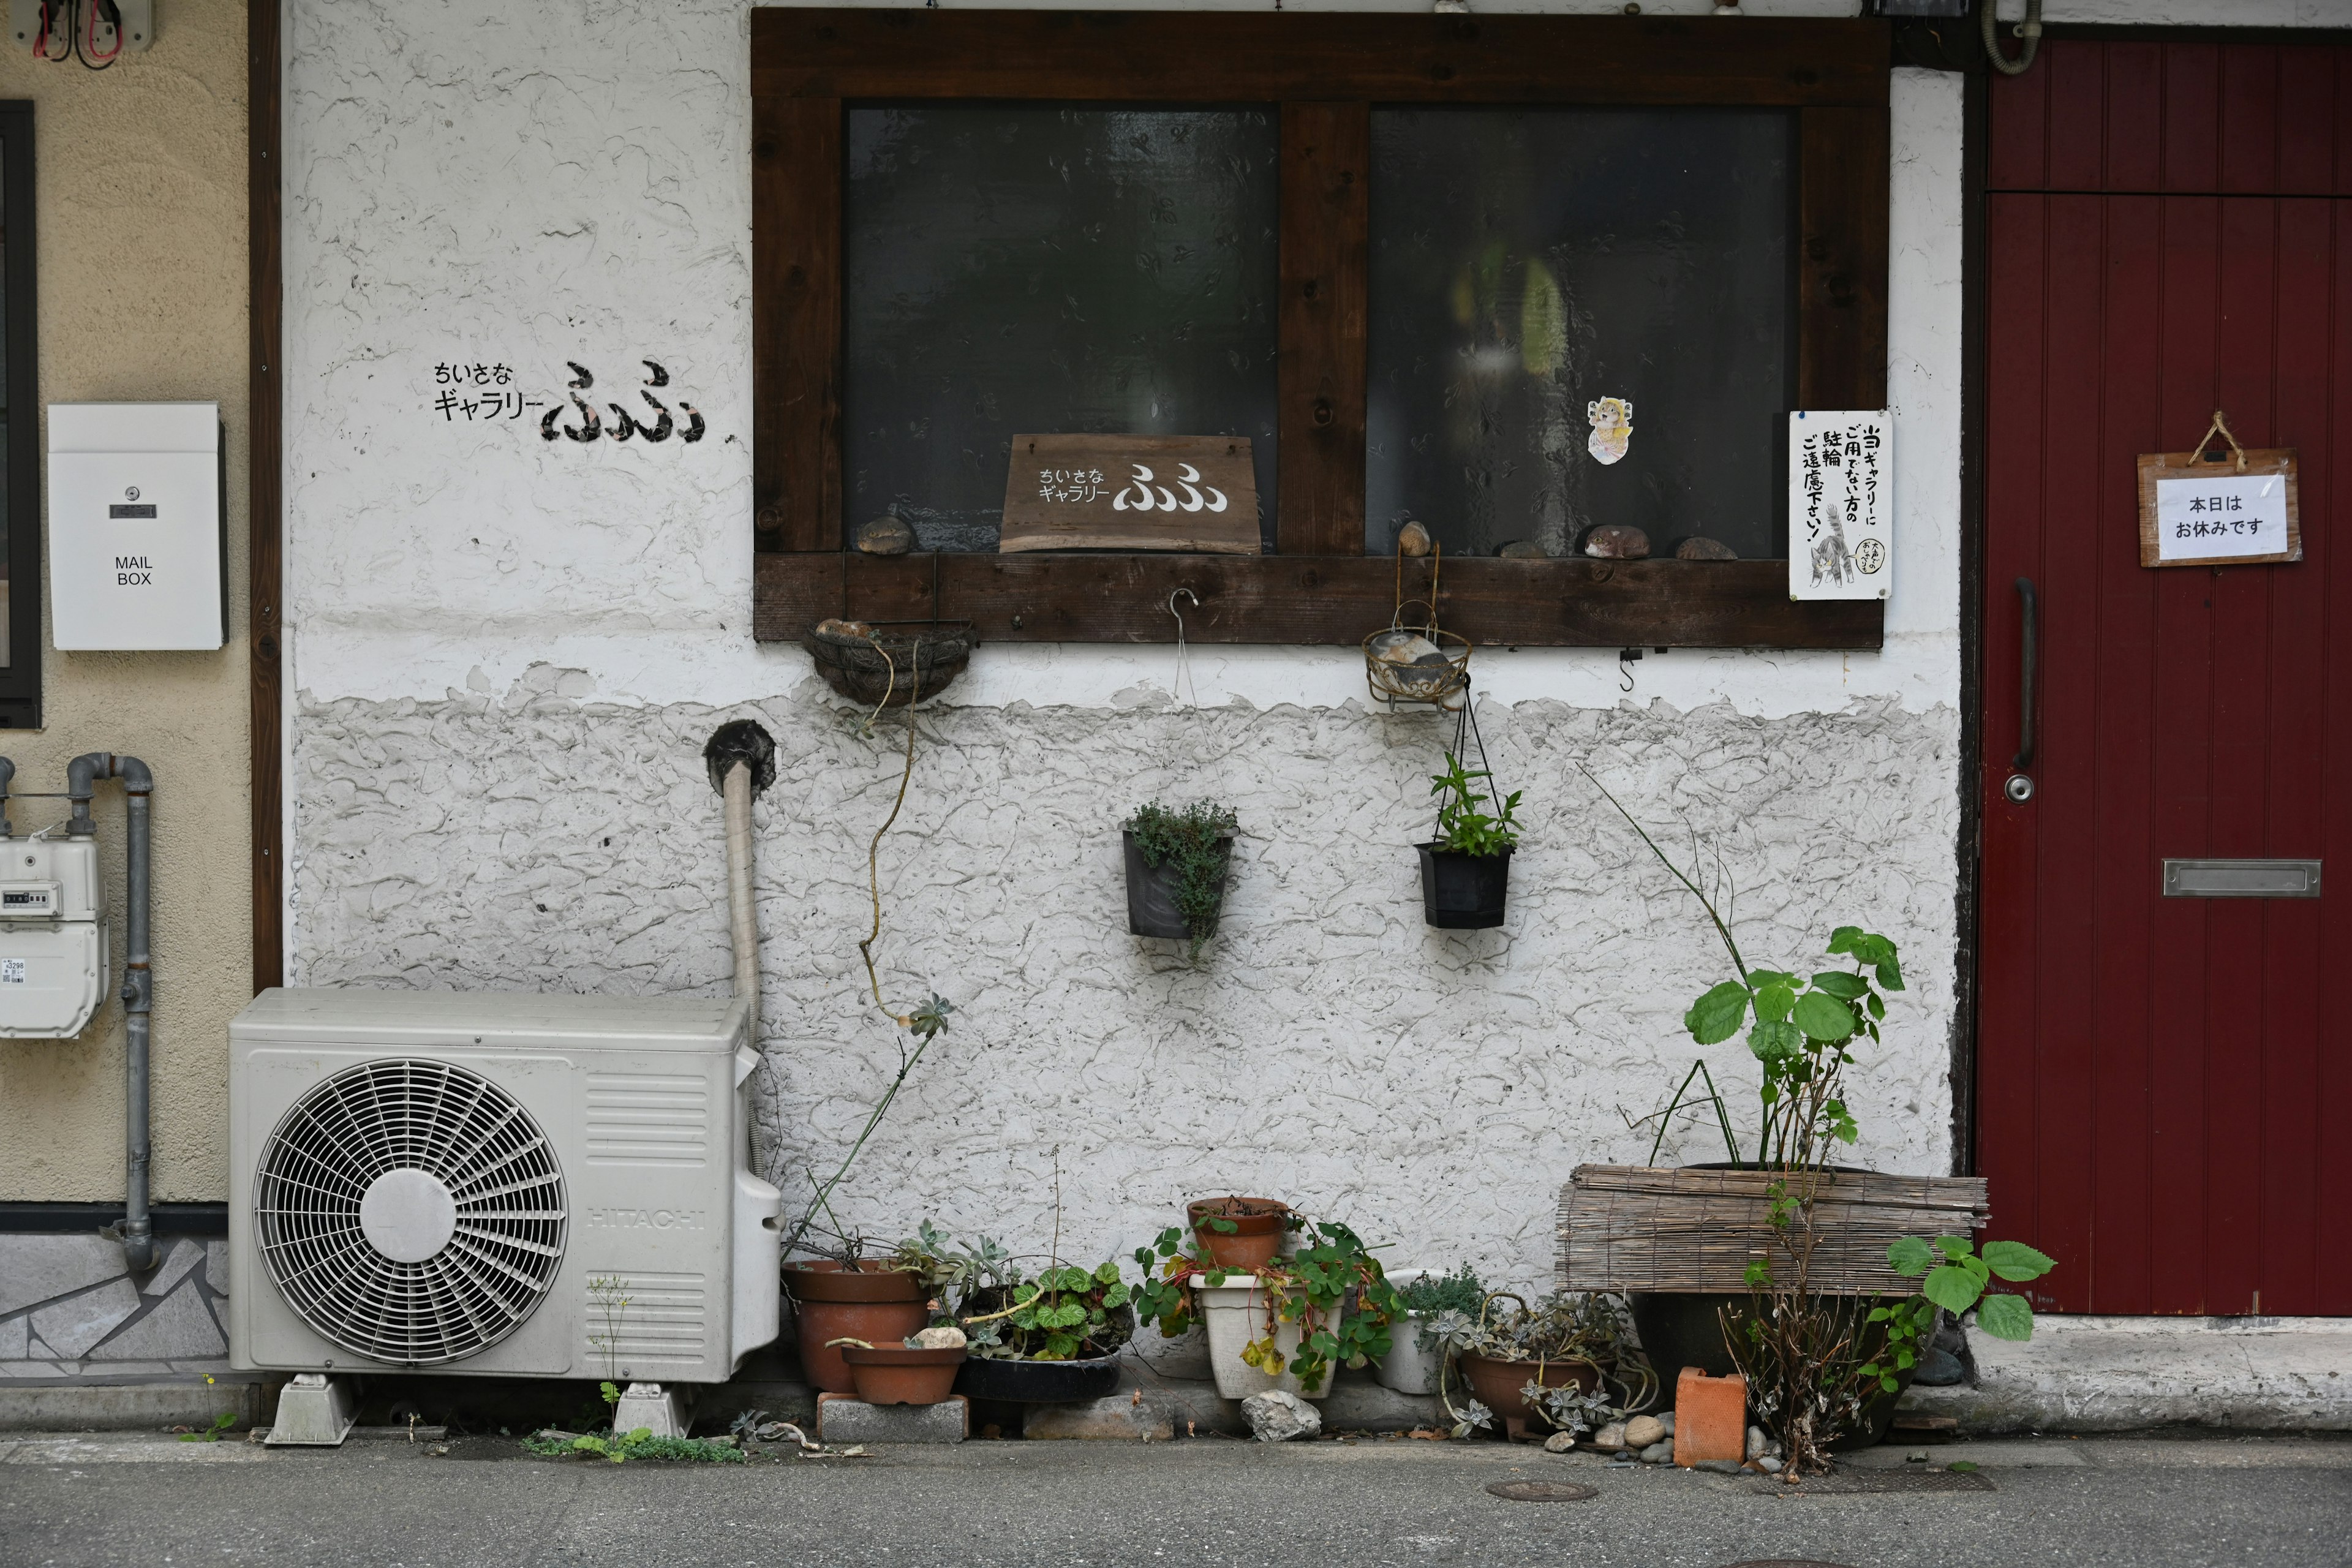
(137, 555)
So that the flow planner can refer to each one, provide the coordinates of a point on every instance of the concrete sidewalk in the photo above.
(2141, 1502)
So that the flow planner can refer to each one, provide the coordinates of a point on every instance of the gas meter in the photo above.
(53, 939)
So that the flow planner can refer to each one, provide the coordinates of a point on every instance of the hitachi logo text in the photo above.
(645, 1219)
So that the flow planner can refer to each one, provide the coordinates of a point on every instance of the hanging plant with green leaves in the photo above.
(1195, 845)
(1462, 827)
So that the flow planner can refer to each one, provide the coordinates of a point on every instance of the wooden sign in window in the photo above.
(2233, 511)
(1131, 492)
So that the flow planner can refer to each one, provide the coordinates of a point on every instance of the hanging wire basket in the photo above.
(1407, 662)
(890, 664)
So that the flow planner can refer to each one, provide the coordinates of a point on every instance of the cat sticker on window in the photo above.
(1612, 429)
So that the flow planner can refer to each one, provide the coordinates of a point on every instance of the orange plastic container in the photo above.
(1710, 1417)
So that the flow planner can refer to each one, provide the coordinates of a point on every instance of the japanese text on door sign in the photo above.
(2204, 518)
(1841, 504)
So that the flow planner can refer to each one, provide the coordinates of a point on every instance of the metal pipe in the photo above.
(137, 1231)
(7, 777)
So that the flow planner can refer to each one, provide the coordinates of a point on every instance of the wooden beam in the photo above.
(796, 323)
(1325, 260)
(1325, 600)
(1843, 193)
(1268, 57)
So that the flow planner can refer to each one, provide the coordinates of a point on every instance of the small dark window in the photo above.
(1529, 263)
(20, 425)
(1048, 268)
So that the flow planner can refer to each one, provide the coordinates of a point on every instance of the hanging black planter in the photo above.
(1463, 892)
(1151, 908)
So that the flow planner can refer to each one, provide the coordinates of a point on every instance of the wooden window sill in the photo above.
(1311, 600)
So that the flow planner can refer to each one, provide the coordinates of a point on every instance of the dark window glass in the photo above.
(1024, 270)
(1528, 264)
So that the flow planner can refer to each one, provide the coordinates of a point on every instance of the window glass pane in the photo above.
(1528, 263)
(1057, 269)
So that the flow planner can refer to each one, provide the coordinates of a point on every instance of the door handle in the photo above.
(2019, 787)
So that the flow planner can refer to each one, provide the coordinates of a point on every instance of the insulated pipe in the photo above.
(742, 920)
(137, 1232)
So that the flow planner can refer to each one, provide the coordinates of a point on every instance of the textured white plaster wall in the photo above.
(573, 183)
(1434, 1088)
(507, 652)
(506, 655)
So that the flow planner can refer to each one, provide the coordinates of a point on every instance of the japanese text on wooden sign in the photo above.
(2194, 513)
(1841, 504)
(1131, 492)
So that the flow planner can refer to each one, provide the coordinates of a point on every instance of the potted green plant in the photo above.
(1825, 1362)
(1284, 1326)
(1568, 1361)
(1239, 1233)
(874, 1301)
(1415, 1362)
(1177, 863)
(1048, 1339)
(1465, 870)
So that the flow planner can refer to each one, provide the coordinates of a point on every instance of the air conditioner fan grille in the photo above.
(465, 1232)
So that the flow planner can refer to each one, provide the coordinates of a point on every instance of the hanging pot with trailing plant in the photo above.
(1177, 862)
(1465, 870)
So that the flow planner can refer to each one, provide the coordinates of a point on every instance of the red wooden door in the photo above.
(2164, 1084)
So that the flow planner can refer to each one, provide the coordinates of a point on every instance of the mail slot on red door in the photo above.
(136, 544)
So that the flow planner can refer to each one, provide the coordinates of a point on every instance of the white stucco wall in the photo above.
(505, 653)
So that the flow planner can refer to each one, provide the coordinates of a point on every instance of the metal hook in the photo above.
(1625, 655)
(1183, 671)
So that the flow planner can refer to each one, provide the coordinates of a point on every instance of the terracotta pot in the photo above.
(1256, 1235)
(1497, 1382)
(870, 1303)
(893, 1375)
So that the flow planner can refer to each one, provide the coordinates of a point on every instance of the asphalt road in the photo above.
(2132, 1502)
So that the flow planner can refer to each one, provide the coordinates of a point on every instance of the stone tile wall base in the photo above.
(69, 1302)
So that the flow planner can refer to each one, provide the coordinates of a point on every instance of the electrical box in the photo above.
(54, 963)
(138, 538)
(131, 29)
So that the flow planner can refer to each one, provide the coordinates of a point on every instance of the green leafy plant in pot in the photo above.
(1050, 1338)
(1285, 1324)
(1823, 1366)
(1177, 864)
(1465, 870)
(1569, 1361)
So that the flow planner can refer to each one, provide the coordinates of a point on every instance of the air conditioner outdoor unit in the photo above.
(497, 1185)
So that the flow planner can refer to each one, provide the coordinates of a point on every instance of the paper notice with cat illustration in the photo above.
(1841, 504)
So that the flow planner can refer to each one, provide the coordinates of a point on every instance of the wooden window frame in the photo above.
(1324, 71)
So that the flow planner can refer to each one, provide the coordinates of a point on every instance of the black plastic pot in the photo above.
(1463, 892)
(1038, 1381)
(1151, 894)
(1043, 1382)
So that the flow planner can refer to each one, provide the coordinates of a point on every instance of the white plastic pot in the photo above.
(1408, 1367)
(1234, 1314)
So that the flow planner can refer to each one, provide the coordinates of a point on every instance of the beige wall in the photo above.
(141, 212)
